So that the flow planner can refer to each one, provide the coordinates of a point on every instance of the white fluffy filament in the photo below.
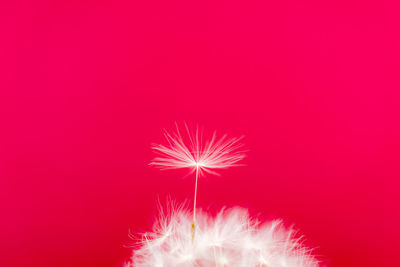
(216, 153)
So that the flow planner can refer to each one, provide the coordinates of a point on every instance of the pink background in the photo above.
(87, 86)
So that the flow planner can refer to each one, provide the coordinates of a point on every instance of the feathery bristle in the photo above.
(217, 153)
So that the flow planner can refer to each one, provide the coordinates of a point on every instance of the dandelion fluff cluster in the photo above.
(231, 238)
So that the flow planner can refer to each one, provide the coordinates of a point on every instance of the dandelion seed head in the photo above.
(231, 238)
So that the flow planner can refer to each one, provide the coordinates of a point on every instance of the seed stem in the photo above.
(194, 204)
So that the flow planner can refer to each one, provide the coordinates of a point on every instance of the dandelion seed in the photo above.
(198, 156)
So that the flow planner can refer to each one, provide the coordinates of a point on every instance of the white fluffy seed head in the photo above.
(231, 238)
